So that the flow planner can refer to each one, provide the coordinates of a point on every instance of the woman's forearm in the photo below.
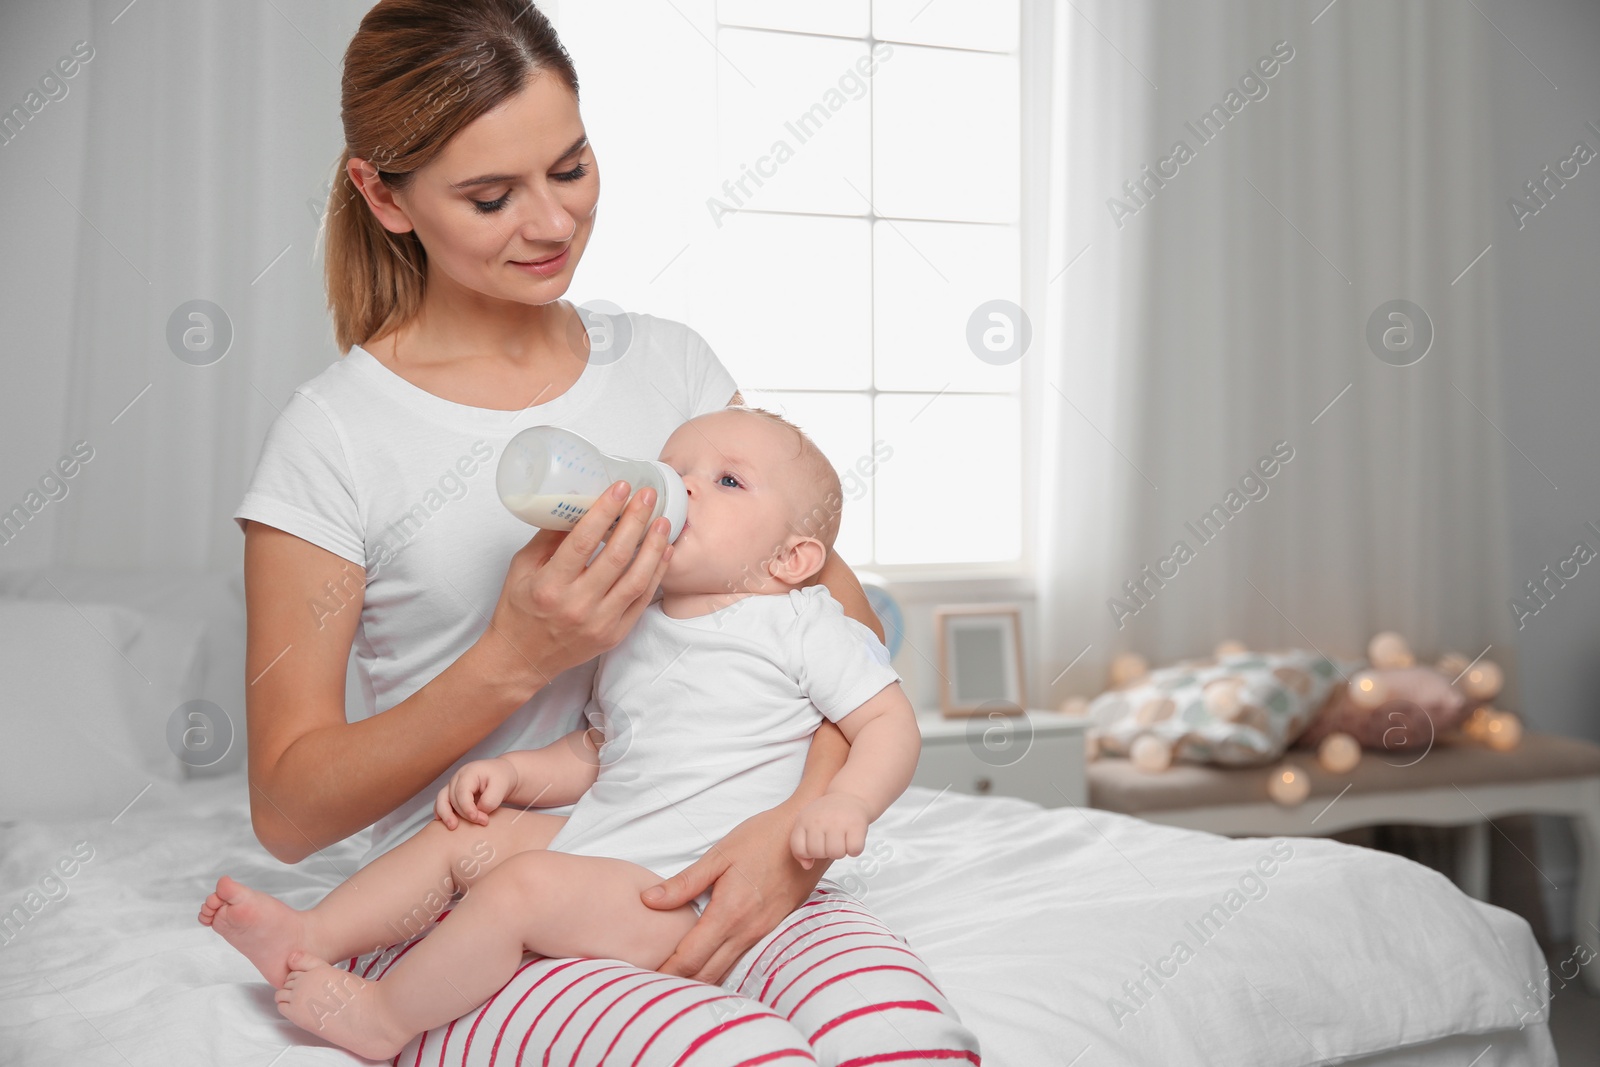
(334, 781)
(829, 749)
(827, 754)
(843, 587)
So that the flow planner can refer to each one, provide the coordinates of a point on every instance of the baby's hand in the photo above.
(829, 828)
(475, 791)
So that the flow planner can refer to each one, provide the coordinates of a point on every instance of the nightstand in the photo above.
(1038, 756)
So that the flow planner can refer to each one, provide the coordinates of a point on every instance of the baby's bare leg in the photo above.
(399, 894)
(550, 903)
(393, 898)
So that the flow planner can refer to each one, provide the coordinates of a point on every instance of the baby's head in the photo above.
(763, 504)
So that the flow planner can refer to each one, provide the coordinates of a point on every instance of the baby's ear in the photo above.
(803, 557)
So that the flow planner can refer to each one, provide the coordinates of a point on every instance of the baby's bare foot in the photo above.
(340, 1007)
(262, 927)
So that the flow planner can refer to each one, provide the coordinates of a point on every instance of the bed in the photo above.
(1055, 933)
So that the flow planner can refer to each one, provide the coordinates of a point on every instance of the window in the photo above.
(871, 150)
(831, 233)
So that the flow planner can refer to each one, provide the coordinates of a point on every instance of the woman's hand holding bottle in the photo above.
(557, 610)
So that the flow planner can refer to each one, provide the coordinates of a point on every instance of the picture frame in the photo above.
(979, 658)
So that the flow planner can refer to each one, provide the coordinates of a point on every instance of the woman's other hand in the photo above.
(555, 611)
(755, 882)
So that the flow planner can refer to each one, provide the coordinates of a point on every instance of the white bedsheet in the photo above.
(1032, 920)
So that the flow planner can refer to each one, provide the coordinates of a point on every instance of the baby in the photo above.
(707, 709)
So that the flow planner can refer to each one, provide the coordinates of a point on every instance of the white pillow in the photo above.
(215, 598)
(90, 690)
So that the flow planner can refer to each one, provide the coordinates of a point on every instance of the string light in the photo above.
(1127, 668)
(1368, 691)
(1388, 651)
(1339, 753)
(1483, 681)
(1500, 730)
(1504, 732)
(1289, 785)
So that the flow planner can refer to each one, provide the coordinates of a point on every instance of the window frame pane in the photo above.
(1002, 577)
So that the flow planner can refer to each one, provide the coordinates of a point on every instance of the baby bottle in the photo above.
(550, 477)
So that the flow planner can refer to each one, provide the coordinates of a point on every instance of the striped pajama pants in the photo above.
(830, 985)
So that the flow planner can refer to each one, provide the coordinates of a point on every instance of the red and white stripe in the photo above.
(831, 985)
(853, 988)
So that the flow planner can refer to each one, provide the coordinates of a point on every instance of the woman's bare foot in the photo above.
(259, 925)
(339, 1006)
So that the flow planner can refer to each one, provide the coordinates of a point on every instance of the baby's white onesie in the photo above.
(708, 720)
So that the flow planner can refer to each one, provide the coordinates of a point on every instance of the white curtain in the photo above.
(1229, 309)
(197, 178)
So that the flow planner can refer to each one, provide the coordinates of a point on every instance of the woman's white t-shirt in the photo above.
(402, 483)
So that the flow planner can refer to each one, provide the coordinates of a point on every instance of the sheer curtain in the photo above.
(200, 178)
(1194, 326)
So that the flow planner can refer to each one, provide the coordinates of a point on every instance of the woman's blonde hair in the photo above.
(416, 72)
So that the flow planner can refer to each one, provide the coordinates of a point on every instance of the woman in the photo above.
(465, 200)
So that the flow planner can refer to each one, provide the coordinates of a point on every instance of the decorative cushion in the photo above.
(1420, 705)
(1239, 710)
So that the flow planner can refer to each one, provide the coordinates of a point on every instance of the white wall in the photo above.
(1548, 273)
